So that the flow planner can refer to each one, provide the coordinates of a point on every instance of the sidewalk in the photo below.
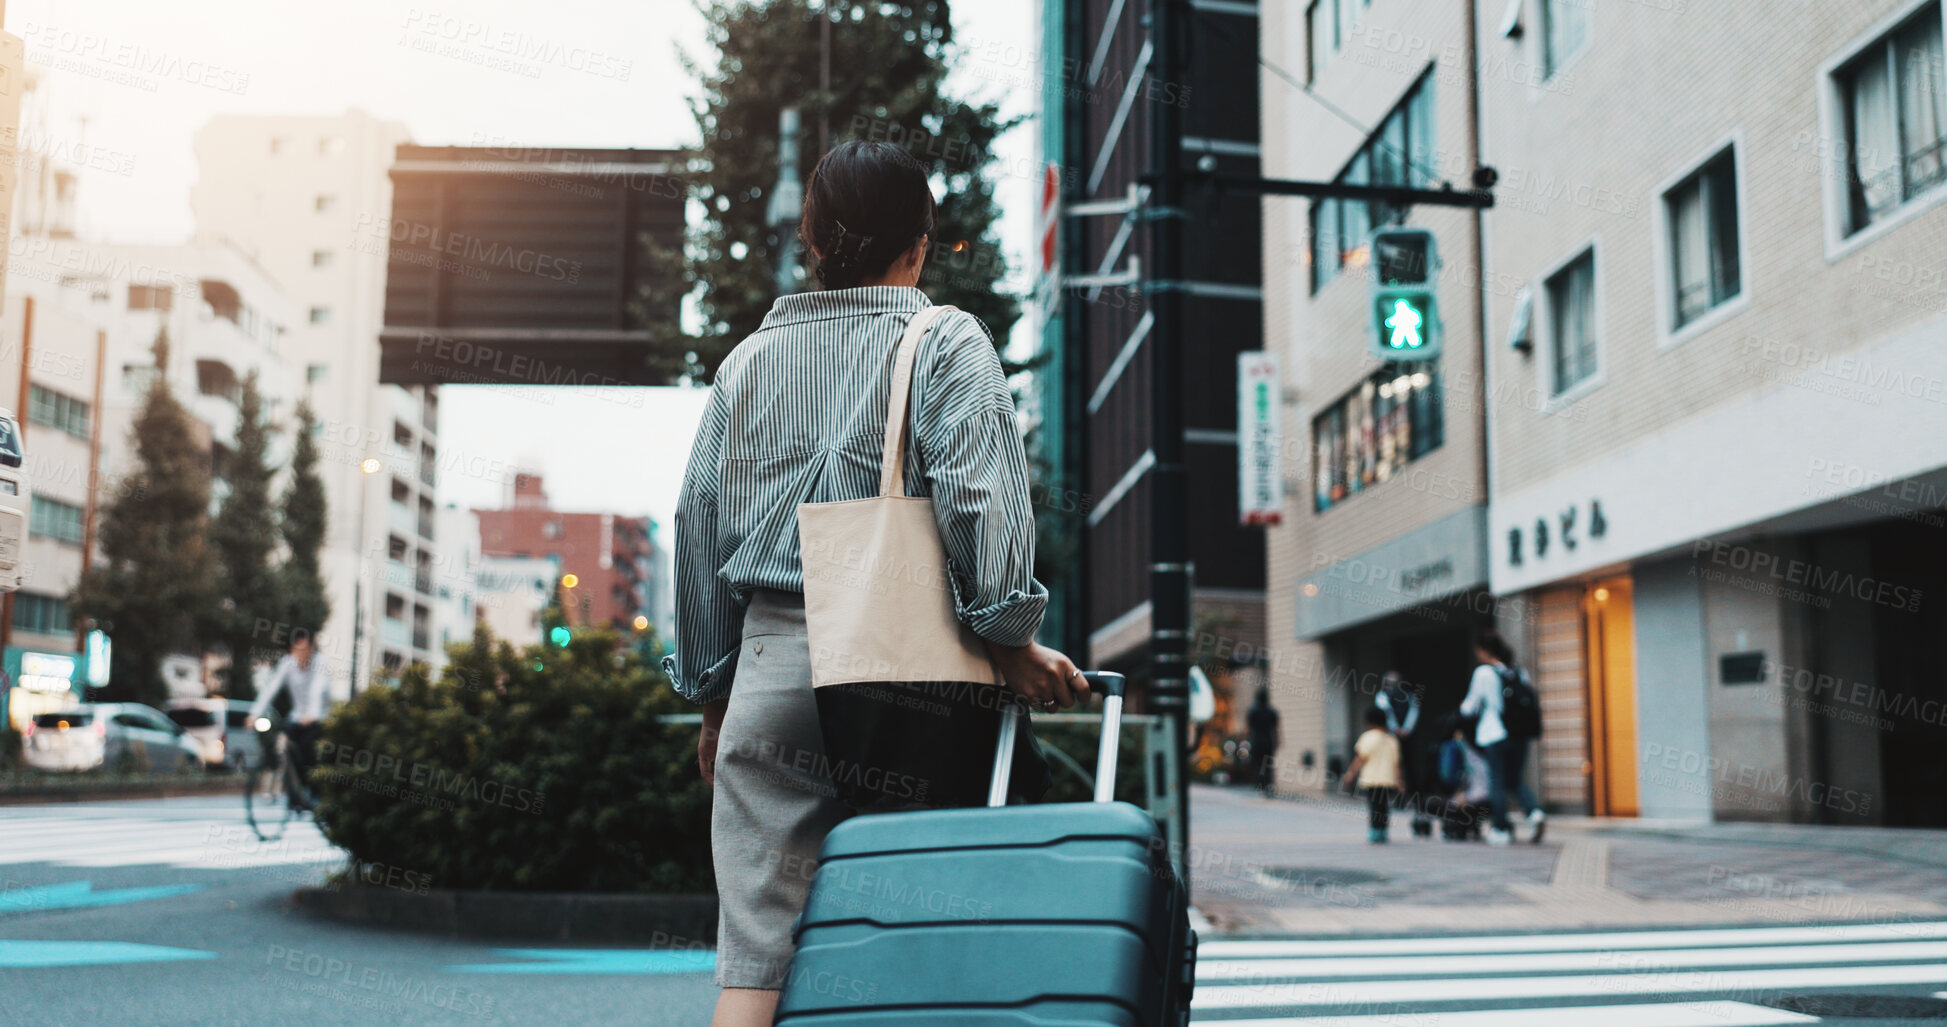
(1302, 865)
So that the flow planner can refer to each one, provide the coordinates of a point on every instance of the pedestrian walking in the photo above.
(1401, 703)
(798, 415)
(1375, 769)
(1266, 733)
(1508, 718)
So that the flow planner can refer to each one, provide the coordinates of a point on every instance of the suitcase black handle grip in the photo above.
(1105, 682)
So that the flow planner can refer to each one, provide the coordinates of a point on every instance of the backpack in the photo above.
(1520, 706)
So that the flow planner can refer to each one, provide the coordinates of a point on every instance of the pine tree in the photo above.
(305, 605)
(244, 538)
(153, 592)
(887, 66)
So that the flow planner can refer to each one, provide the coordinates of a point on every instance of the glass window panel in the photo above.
(1571, 300)
(1422, 162)
(1373, 432)
(1720, 192)
(1566, 30)
(1918, 56)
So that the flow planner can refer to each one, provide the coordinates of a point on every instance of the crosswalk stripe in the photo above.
(205, 837)
(1677, 939)
(1678, 1014)
(1543, 962)
(1623, 985)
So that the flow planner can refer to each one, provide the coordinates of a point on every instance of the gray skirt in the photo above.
(773, 803)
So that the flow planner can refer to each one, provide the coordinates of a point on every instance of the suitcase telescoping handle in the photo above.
(1106, 683)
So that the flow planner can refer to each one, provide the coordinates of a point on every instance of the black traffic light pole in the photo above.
(1395, 195)
(1169, 526)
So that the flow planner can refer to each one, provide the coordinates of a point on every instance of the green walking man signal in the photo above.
(1406, 317)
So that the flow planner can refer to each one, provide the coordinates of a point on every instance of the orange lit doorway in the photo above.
(1609, 615)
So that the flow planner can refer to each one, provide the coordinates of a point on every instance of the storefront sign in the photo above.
(1568, 524)
(1260, 472)
(100, 650)
(46, 672)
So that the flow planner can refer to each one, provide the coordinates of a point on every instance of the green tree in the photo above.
(887, 63)
(153, 591)
(300, 582)
(244, 538)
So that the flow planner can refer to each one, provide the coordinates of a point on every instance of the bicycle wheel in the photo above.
(266, 798)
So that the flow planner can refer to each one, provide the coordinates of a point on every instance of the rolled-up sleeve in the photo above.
(976, 471)
(709, 620)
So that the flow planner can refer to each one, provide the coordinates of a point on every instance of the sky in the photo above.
(130, 82)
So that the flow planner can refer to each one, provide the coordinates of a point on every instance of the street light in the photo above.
(641, 622)
(569, 581)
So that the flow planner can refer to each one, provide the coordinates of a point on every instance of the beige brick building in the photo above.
(1379, 564)
(1699, 478)
(1719, 395)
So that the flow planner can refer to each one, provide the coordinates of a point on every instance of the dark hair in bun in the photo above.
(866, 204)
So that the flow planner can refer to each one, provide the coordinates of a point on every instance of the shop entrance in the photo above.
(1909, 699)
(1609, 622)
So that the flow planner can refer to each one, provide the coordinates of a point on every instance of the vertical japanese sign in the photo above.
(1260, 474)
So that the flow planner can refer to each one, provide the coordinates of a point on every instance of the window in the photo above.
(138, 378)
(54, 519)
(315, 373)
(331, 146)
(1704, 265)
(1571, 322)
(1390, 420)
(320, 315)
(324, 203)
(1564, 31)
(57, 410)
(42, 614)
(1330, 24)
(1893, 97)
(149, 297)
(322, 258)
(276, 146)
(1324, 32)
(1400, 152)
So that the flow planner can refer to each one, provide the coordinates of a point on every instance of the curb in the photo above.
(111, 791)
(668, 919)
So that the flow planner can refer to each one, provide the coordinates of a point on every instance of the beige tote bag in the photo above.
(908, 703)
(878, 603)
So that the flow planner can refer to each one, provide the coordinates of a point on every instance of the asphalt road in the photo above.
(170, 912)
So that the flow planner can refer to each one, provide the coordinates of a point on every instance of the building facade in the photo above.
(1379, 564)
(1099, 73)
(310, 199)
(1718, 396)
(609, 555)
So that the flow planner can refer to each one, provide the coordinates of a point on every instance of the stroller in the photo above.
(1462, 773)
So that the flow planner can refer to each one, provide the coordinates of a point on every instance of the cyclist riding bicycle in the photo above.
(301, 671)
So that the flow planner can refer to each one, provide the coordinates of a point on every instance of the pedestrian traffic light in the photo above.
(1406, 317)
(559, 636)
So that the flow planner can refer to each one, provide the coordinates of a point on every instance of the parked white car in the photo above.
(120, 736)
(219, 727)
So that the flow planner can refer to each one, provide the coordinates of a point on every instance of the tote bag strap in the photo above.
(892, 464)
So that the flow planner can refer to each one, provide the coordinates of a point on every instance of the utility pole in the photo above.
(824, 77)
(94, 480)
(787, 201)
(20, 423)
(1169, 540)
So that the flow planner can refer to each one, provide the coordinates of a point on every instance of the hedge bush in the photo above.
(540, 769)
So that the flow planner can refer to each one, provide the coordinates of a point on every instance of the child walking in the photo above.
(1376, 770)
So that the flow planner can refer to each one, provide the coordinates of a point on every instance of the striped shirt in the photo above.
(798, 415)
